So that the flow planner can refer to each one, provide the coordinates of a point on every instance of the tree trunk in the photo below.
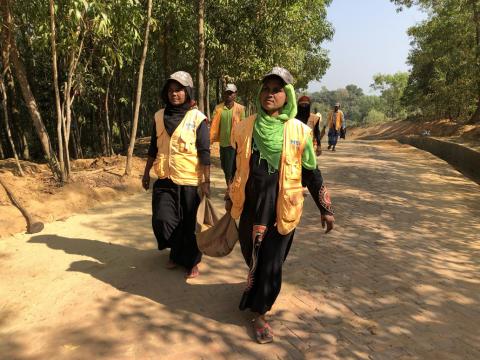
(123, 131)
(102, 133)
(108, 131)
(164, 45)
(64, 136)
(2, 153)
(138, 97)
(76, 144)
(3, 91)
(30, 102)
(23, 147)
(14, 114)
(34, 225)
(53, 45)
(207, 89)
(201, 56)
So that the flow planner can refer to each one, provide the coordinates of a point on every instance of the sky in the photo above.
(370, 37)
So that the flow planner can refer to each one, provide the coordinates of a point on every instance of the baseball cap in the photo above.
(231, 87)
(182, 77)
(284, 74)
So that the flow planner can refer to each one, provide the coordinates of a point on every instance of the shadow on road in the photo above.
(398, 278)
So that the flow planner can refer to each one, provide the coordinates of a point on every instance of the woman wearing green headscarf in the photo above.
(275, 159)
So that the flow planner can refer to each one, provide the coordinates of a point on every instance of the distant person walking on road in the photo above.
(180, 155)
(226, 116)
(335, 123)
(274, 156)
(312, 120)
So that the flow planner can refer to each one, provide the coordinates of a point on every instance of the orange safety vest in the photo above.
(338, 120)
(290, 193)
(313, 120)
(215, 125)
(177, 157)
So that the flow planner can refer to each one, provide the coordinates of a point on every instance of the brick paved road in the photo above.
(399, 279)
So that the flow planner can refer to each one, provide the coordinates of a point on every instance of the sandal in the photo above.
(192, 273)
(264, 334)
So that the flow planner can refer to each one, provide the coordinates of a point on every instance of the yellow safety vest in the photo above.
(290, 194)
(177, 157)
(215, 125)
(338, 120)
(313, 120)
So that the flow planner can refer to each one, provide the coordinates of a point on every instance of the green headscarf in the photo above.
(268, 130)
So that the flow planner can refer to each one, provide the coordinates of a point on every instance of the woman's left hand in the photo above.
(205, 187)
(328, 220)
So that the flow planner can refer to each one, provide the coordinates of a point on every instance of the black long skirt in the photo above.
(264, 258)
(265, 282)
(174, 209)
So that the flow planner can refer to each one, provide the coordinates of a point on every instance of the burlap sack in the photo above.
(215, 237)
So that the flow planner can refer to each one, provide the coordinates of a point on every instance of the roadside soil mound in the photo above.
(93, 181)
(448, 130)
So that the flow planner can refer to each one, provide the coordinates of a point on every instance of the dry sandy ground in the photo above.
(398, 279)
(93, 181)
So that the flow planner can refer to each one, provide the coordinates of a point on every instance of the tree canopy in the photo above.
(445, 60)
(99, 46)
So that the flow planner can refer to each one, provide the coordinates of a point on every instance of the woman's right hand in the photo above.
(328, 221)
(146, 181)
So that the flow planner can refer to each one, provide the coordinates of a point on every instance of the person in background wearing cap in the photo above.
(312, 120)
(335, 123)
(180, 155)
(275, 156)
(226, 116)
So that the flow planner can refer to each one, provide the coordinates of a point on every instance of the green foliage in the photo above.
(445, 60)
(375, 117)
(359, 108)
(244, 39)
(392, 87)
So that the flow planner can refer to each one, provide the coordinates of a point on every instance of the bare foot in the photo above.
(170, 265)
(192, 273)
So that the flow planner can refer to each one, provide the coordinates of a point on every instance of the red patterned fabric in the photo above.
(325, 201)
(258, 233)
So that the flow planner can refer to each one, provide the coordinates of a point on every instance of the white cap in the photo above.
(182, 77)
(231, 87)
(282, 73)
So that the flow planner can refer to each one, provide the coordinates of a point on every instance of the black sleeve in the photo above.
(203, 143)
(152, 149)
(316, 132)
(313, 180)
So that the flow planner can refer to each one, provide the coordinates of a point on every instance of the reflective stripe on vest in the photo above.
(290, 196)
(177, 157)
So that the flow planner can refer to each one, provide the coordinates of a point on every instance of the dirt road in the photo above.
(398, 279)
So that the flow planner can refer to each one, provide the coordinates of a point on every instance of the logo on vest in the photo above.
(190, 125)
(295, 142)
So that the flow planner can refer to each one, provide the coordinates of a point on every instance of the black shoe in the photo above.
(329, 146)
